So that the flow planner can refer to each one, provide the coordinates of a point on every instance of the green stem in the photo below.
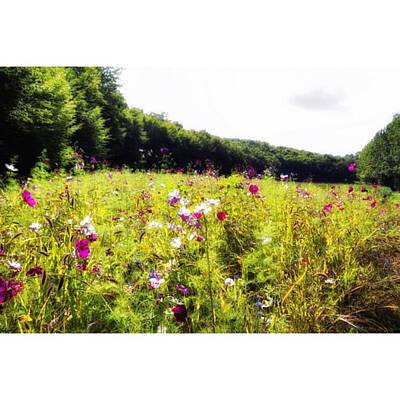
(209, 277)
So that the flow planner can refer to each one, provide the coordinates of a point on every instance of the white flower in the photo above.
(184, 212)
(88, 230)
(35, 226)
(14, 264)
(266, 240)
(155, 224)
(213, 202)
(87, 220)
(155, 283)
(284, 176)
(203, 208)
(174, 193)
(176, 242)
(329, 281)
(69, 178)
(229, 282)
(183, 201)
(11, 168)
(192, 236)
(70, 222)
(115, 192)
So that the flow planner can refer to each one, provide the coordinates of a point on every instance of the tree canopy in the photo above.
(54, 113)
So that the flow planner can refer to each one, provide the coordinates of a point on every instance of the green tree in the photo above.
(379, 161)
(37, 113)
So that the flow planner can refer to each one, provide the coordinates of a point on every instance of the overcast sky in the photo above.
(334, 111)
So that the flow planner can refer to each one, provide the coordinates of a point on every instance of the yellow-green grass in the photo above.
(295, 267)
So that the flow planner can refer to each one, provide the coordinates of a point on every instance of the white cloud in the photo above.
(319, 100)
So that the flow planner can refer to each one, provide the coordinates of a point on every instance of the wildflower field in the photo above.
(115, 251)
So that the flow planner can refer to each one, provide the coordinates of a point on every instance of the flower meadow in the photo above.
(116, 251)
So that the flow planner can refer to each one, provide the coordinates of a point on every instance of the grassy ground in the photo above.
(287, 258)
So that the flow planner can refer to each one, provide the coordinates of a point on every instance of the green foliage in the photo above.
(69, 109)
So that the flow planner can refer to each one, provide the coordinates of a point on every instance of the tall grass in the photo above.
(294, 266)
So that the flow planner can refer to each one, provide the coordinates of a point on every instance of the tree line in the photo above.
(56, 114)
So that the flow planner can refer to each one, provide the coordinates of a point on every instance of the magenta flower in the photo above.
(352, 167)
(2, 251)
(328, 207)
(28, 198)
(373, 204)
(82, 248)
(350, 189)
(82, 267)
(253, 189)
(164, 150)
(221, 215)
(35, 271)
(9, 289)
(180, 312)
(182, 289)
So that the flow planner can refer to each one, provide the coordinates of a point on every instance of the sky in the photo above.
(325, 110)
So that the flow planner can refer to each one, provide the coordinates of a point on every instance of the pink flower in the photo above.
(82, 248)
(196, 215)
(182, 289)
(9, 289)
(350, 189)
(352, 167)
(28, 198)
(373, 204)
(221, 215)
(253, 189)
(328, 207)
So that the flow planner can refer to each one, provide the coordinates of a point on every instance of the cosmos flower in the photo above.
(184, 213)
(9, 289)
(373, 204)
(229, 282)
(213, 202)
(352, 167)
(284, 177)
(221, 215)
(35, 226)
(15, 265)
(202, 208)
(183, 290)
(351, 189)
(164, 150)
(176, 243)
(26, 195)
(35, 271)
(180, 312)
(155, 224)
(82, 248)
(86, 221)
(173, 197)
(156, 282)
(11, 167)
(328, 207)
(253, 189)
